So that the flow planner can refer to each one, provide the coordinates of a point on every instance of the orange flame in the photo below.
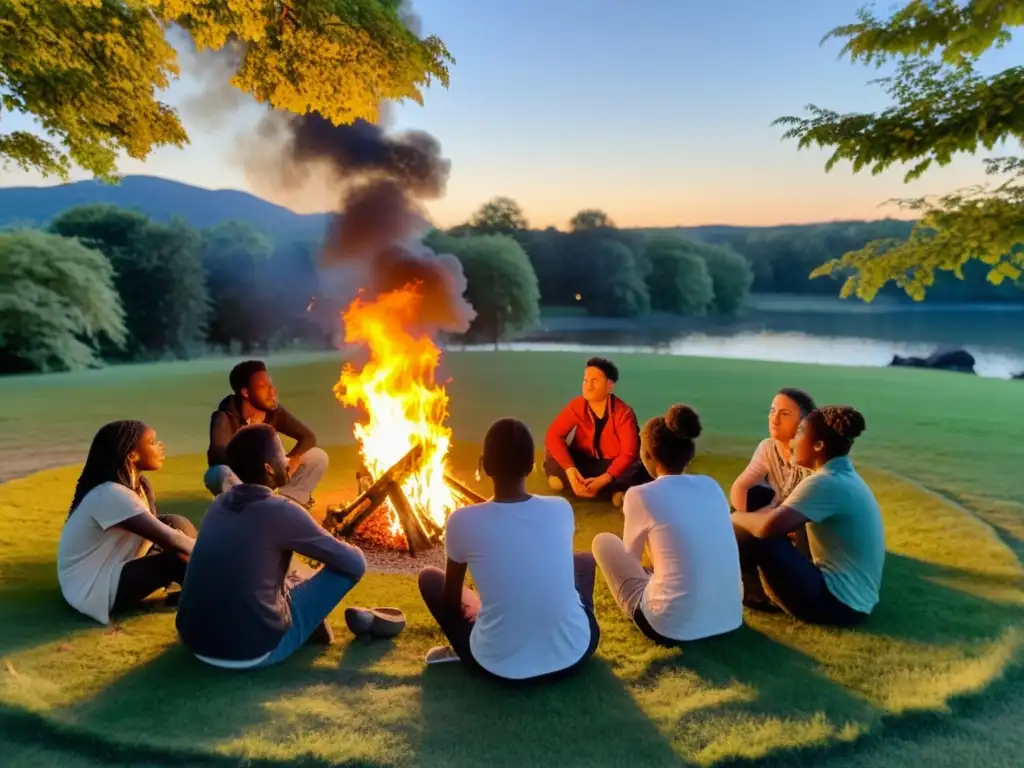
(403, 404)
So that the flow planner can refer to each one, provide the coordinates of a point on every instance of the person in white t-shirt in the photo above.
(533, 615)
(695, 590)
(772, 462)
(114, 550)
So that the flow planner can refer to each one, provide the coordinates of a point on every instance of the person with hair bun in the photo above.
(839, 585)
(695, 590)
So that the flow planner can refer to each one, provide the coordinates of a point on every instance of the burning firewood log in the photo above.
(421, 532)
(416, 538)
(344, 521)
(470, 496)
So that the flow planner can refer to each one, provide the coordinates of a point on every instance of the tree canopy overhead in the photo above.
(942, 106)
(91, 71)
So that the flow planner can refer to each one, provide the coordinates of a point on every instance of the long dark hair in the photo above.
(107, 461)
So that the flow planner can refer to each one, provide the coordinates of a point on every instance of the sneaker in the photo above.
(617, 499)
(322, 635)
(441, 654)
(555, 484)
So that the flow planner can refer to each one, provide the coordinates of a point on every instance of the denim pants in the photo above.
(776, 572)
(312, 601)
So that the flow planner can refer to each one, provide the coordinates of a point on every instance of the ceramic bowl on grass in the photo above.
(375, 622)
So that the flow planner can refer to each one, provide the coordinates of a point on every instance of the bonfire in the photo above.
(406, 489)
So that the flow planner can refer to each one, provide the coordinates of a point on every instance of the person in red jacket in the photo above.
(593, 445)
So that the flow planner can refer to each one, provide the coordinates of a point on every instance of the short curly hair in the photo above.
(241, 375)
(837, 426)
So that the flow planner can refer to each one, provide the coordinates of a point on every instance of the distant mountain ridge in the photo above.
(163, 200)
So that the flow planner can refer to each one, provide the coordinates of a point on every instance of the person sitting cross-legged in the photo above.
(771, 475)
(533, 618)
(839, 585)
(593, 445)
(254, 401)
(694, 590)
(115, 550)
(241, 606)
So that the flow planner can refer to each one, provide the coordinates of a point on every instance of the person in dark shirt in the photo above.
(593, 445)
(242, 604)
(254, 401)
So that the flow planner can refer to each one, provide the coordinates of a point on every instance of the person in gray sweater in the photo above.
(242, 604)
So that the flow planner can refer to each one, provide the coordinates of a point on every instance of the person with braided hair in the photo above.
(695, 590)
(839, 585)
(114, 550)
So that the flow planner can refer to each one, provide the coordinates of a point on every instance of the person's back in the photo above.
(520, 557)
(848, 545)
(236, 610)
(532, 614)
(233, 603)
(696, 590)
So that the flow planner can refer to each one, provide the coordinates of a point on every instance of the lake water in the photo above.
(822, 331)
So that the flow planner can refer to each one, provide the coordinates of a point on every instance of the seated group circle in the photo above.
(798, 533)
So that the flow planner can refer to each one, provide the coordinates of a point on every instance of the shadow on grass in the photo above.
(34, 611)
(176, 703)
(589, 719)
(784, 682)
(930, 603)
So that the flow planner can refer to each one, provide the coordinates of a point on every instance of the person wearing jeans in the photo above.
(254, 401)
(243, 604)
(840, 584)
(114, 550)
(694, 589)
(533, 615)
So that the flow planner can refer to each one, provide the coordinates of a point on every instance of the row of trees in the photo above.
(105, 282)
(617, 273)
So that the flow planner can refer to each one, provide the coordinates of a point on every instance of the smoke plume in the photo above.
(374, 240)
(374, 181)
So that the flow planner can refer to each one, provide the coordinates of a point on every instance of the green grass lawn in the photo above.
(934, 678)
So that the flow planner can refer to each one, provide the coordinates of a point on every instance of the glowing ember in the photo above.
(402, 403)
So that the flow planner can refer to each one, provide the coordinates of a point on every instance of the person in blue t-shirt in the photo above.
(839, 584)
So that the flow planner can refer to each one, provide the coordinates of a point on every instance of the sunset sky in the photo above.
(657, 112)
